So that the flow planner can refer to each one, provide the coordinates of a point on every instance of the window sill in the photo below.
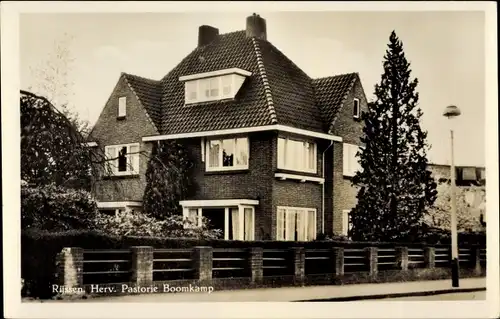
(301, 178)
(111, 177)
(302, 173)
(226, 172)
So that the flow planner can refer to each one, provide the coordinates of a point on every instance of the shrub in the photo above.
(132, 223)
(56, 208)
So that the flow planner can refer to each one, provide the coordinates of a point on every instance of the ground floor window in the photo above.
(346, 222)
(236, 223)
(296, 224)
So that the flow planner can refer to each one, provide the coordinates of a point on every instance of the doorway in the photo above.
(215, 218)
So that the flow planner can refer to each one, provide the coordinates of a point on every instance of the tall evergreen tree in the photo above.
(167, 179)
(395, 187)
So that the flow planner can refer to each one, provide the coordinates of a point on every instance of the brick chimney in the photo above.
(207, 34)
(256, 27)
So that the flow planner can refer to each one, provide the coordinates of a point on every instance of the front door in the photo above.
(215, 218)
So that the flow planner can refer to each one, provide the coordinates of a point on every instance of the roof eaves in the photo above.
(265, 81)
(138, 99)
(346, 94)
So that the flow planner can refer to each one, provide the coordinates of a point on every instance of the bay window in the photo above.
(236, 223)
(122, 159)
(296, 155)
(296, 224)
(227, 154)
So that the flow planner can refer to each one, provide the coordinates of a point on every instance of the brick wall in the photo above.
(350, 129)
(109, 130)
(254, 183)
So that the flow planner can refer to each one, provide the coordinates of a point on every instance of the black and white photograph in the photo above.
(219, 159)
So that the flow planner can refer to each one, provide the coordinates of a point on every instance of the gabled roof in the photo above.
(331, 93)
(149, 94)
(277, 91)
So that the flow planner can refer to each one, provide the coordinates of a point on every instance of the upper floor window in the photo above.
(122, 159)
(227, 154)
(356, 109)
(296, 155)
(122, 106)
(350, 160)
(213, 86)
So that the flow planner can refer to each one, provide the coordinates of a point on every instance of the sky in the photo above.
(446, 51)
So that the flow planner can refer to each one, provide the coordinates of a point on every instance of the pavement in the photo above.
(477, 295)
(311, 293)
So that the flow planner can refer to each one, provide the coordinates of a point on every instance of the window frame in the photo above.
(122, 107)
(296, 210)
(282, 164)
(346, 216)
(356, 103)
(206, 84)
(131, 170)
(219, 168)
(347, 159)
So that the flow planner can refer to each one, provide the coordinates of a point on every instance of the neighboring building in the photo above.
(273, 149)
(464, 175)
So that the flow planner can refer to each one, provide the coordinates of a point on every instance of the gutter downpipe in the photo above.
(323, 189)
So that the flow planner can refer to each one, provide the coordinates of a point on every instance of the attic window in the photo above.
(122, 106)
(213, 86)
(356, 110)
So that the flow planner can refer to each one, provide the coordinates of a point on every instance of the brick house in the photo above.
(273, 149)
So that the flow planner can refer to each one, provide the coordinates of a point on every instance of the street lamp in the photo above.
(450, 112)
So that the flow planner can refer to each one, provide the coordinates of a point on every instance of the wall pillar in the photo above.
(70, 270)
(255, 264)
(372, 260)
(402, 258)
(202, 263)
(298, 264)
(338, 260)
(430, 257)
(142, 265)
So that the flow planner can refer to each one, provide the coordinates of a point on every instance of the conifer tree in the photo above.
(167, 179)
(395, 187)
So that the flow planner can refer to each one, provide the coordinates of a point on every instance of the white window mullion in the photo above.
(241, 222)
(226, 223)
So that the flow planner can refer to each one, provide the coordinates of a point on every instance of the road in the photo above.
(478, 295)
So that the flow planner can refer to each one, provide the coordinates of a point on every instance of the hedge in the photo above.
(39, 250)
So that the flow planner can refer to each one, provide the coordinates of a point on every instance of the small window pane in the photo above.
(311, 225)
(301, 225)
(227, 84)
(205, 85)
(249, 223)
(235, 223)
(281, 152)
(242, 152)
(122, 106)
(290, 231)
(228, 152)
(311, 158)
(355, 109)
(214, 87)
(122, 159)
(280, 221)
(191, 90)
(134, 158)
(193, 216)
(213, 153)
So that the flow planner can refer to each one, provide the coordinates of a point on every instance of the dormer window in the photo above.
(356, 109)
(122, 107)
(213, 86)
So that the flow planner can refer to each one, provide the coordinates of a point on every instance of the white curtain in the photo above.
(290, 224)
(311, 225)
(235, 223)
(249, 223)
(301, 225)
(213, 153)
(134, 158)
(280, 220)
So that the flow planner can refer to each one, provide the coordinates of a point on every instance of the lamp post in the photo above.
(450, 112)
